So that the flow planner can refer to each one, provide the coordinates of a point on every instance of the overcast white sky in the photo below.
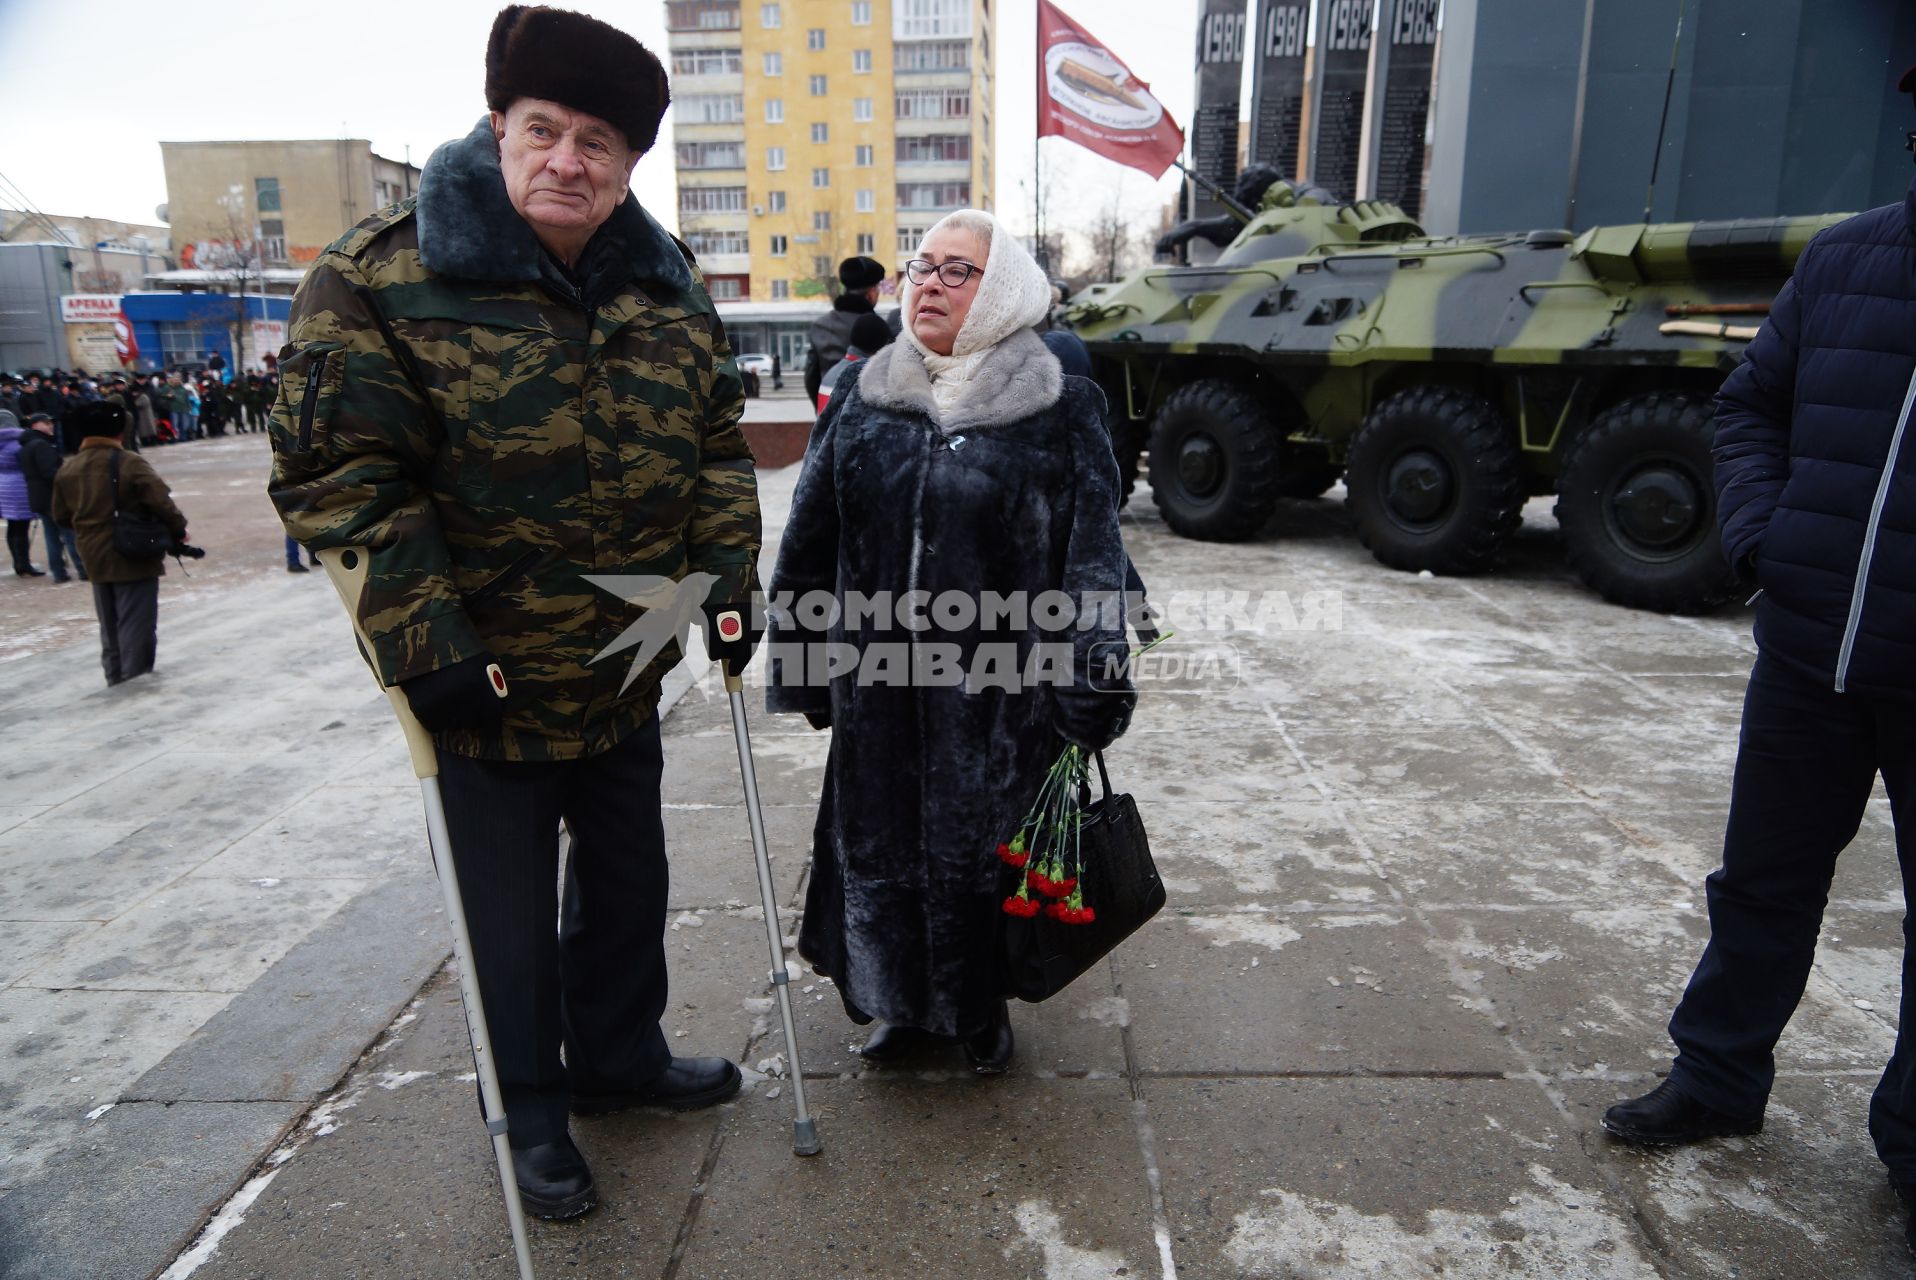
(88, 88)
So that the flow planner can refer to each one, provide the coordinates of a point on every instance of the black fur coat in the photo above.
(1015, 492)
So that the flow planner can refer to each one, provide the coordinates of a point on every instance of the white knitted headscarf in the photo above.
(1013, 294)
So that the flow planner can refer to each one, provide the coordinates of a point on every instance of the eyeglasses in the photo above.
(952, 274)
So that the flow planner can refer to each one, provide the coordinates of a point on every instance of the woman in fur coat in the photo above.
(957, 467)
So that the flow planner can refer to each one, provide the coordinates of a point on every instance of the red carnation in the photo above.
(1058, 911)
(1022, 907)
(1077, 915)
(1049, 887)
(1013, 857)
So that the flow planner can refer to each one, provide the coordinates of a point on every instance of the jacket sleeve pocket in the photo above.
(310, 383)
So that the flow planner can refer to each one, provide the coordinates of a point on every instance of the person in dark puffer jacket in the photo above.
(1816, 482)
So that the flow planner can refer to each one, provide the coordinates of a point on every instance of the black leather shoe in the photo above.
(1666, 1117)
(554, 1181)
(894, 1043)
(989, 1052)
(1906, 1196)
(687, 1085)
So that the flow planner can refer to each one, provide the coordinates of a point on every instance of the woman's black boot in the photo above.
(989, 1052)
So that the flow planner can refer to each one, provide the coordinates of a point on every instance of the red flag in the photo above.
(1087, 95)
(125, 345)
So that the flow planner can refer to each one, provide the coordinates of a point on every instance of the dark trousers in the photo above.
(1806, 761)
(588, 974)
(20, 544)
(60, 544)
(129, 614)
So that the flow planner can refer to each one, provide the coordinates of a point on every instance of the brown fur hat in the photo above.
(579, 62)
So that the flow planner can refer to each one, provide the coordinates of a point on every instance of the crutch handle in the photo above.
(347, 568)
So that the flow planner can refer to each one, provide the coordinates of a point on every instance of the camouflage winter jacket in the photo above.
(493, 429)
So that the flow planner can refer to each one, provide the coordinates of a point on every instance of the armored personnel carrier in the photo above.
(1446, 380)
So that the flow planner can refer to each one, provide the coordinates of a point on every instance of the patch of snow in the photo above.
(1042, 1229)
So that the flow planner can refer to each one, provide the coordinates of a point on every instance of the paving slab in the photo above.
(1298, 854)
(1396, 1180)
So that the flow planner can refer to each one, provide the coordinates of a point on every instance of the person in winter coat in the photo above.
(126, 592)
(15, 505)
(1816, 482)
(870, 335)
(956, 465)
(497, 392)
(40, 458)
(832, 331)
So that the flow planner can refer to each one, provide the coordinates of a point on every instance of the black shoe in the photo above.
(297, 568)
(892, 1043)
(554, 1181)
(1666, 1117)
(989, 1052)
(1906, 1197)
(687, 1085)
(29, 572)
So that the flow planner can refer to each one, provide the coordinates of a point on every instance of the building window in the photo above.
(821, 133)
(923, 19)
(779, 245)
(932, 55)
(266, 195)
(711, 108)
(781, 290)
(709, 242)
(934, 195)
(867, 201)
(821, 178)
(711, 155)
(861, 108)
(775, 158)
(774, 64)
(909, 238)
(933, 104)
(862, 13)
(774, 111)
(724, 288)
(937, 148)
(821, 265)
(711, 200)
(818, 86)
(181, 343)
(867, 243)
(862, 157)
(822, 220)
(706, 62)
(701, 15)
(815, 39)
(768, 15)
(862, 61)
(776, 201)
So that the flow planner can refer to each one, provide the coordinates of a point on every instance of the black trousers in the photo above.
(1806, 762)
(19, 544)
(129, 614)
(588, 975)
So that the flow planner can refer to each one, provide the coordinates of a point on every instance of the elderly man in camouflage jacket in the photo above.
(510, 383)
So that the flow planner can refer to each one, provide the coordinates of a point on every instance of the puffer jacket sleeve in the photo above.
(1753, 410)
(1096, 709)
(807, 562)
(724, 535)
(354, 438)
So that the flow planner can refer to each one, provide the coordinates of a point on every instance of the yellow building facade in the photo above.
(296, 197)
(808, 131)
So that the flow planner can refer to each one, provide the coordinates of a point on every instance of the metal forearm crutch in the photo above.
(730, 624)
(348, 570)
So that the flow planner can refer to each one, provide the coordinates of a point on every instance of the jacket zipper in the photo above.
(1848, 650)
(309, 402)
(519, 568)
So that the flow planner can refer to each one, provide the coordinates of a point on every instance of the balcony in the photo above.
(701, 15)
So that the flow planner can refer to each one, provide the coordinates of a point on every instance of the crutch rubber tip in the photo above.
(805, 1138)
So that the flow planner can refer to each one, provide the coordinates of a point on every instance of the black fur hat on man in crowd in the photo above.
(100, 418)
(578, 62)
(861, 273)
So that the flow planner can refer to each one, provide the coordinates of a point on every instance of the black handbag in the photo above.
(135, 536)
(1043, 956)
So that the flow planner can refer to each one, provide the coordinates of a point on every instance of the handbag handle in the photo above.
(1084, 784)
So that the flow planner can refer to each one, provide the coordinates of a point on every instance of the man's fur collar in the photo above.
(469, 229)
(1016, 378)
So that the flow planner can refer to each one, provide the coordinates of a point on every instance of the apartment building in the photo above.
(807, 131)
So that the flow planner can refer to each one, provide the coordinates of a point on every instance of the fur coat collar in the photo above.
(1013, 380)
(469, 229)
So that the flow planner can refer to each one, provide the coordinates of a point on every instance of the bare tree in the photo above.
(238, 260)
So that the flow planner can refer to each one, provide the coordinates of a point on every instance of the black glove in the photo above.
(732, 631)
(469, 694)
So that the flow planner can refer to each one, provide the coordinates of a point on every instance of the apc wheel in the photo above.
(1434, 481)
(1637, 506)
(1214, 462)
